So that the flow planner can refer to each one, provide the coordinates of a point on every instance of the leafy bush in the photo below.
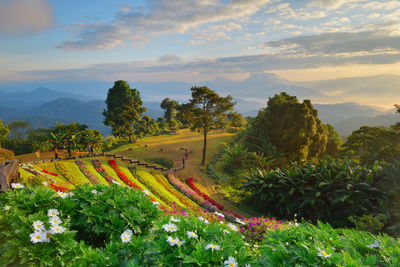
(90, 223)
(308, 245)
(329, 191)
(164, 162)
(368, 223)
(6, 154)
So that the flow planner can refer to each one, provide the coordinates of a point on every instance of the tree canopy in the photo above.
(170, 111)
(124, 110)
(3, 131)
(205, 111)
(292, 127)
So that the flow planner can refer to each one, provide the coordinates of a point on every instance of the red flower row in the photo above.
(124, 178)
(189, 181)
(59, 188)
(51, 173)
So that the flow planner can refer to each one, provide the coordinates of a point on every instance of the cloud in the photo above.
(165, 17)
(99, 36)
(332, 4)
(169, 58)
(340, 42)
(25, 16)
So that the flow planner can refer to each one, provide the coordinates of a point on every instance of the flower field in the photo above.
(104, 212)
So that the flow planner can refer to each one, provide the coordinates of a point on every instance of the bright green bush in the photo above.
(164, 162)
(300, 246)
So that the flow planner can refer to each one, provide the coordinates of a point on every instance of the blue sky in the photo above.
(188, 40)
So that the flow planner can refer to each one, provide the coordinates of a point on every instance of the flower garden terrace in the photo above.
(101, 211)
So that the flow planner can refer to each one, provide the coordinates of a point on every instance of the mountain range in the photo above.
(84, 101)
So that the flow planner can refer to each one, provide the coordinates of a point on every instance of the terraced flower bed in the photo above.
(87, 173)
(66, 172)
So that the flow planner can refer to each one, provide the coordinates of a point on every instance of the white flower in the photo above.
(52, 213)
(231, 262)
(17, 185)
(128, 232)
(219, 214)
(37, 237)
(323, 254)
(191, 234)
(226, 231)
(179, 242)
(126, 237)
(55, 220)
(156, 203)
(374, 245)
(170, 227)
(115, 182)
(173, 219)
(240, 221)
(57, 229)
(247, 265)
(6, 208)
(171, 241)
(46, 236)
(38, 226)
(212, 247)
(94, 191)
(45, 183)
(146, 192)
(232, 227)
(70, 194)
(203, 219)
(62, 194)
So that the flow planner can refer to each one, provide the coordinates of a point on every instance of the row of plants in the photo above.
(67, 174)
(97, 165)
(122, 175)
(159, 192)
(86, 172)
(50, 173)
(117, 226)
(161, 180)
(189, 181)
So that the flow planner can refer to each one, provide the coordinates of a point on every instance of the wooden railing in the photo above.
(132, 161)
(9, 173)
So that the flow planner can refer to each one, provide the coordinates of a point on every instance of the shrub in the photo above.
(93, 222)
(368, 223)
(6, 154)
(329, 191)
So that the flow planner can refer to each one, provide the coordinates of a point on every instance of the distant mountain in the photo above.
(38, 96)
(347, 126)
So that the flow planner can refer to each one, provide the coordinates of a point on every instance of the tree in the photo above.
(18, 130)
(90, 138)
(124, 110)
(398, 108)
(3, 131)
(292, 127)
(66, 136)
(148, 126)
(334, 142)
(372, 143)
(170, 110)
(205, 111)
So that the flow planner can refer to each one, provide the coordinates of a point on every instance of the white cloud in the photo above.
(332, 4)
(25, 16)
(382, 5)
(164, 17)
(169, 58)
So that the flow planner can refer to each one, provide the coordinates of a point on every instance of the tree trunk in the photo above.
(203, 161)
(130, 139)
(69, 152)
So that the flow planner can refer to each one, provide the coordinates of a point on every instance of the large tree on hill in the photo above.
(334, 141)
(205, 111)
(292, 127)
(170, 110)
(124, 110)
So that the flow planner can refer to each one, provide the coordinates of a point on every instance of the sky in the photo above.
(191, 41)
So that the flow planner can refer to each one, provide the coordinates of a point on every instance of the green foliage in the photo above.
(329, 191)
(369, 223)
(170, 111)
(236, 158)
(300, 246)
(369, 144)
(334, 142)
(206, 111)
(292, 127)
(124, 110)
(3, 131)
(18, 130)
(165, 162)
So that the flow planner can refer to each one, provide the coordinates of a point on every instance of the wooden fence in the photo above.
(132, 161)
(9, 173)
